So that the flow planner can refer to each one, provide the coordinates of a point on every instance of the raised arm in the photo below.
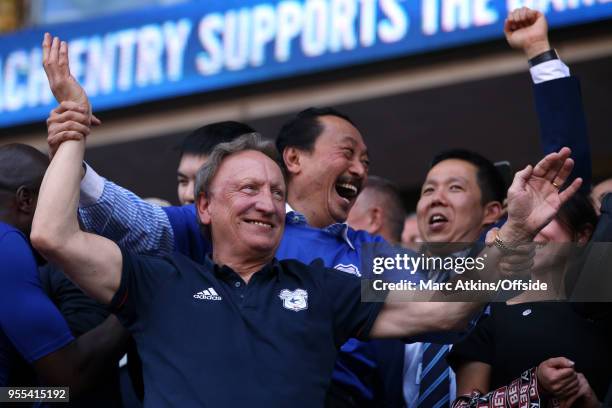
(92, 262)
(105, 208)
(534, 199)
(557, 95)
(118, 214)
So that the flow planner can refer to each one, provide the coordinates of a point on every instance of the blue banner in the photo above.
(170, 51)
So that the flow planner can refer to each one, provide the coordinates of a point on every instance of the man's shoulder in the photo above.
(7, 228)
(305, 230)
(297, 265)
(13, 243)
(184, 213)
(303, 234)
(175, 262)
(314, 271)
(360, 236)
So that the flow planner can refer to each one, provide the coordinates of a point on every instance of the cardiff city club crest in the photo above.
(350, 268)
(295, 300)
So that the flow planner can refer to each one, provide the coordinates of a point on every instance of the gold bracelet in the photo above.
(502, 246)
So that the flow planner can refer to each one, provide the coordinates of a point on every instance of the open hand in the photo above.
(534, 198)
(62, 83)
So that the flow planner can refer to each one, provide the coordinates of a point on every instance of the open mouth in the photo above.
(348, 191)
(437, 221)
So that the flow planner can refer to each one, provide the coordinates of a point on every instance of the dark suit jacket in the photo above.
(563, 123)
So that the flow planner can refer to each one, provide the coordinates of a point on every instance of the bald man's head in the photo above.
(22, 169)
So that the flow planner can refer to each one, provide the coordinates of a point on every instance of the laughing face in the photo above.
(245, 207)
(450, 207)
(327, 180)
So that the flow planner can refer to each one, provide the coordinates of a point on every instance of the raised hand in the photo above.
(62, 123)
(56, 64)
(527, 30)
(535, 196)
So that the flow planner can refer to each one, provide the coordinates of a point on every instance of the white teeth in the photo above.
(260, 223)
(348, 186)
(437, 218)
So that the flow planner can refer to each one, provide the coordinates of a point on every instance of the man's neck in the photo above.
(312, 217)
(245, 268)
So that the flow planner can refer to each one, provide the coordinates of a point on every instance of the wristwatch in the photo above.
(543, 57)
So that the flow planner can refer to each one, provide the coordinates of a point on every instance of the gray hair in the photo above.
(248, 141)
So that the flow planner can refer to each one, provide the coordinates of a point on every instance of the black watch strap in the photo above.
(543, 57)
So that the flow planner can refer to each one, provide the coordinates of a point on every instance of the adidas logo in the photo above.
(208, 294)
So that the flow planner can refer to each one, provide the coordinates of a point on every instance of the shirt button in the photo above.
(237, 284)
(241, 296)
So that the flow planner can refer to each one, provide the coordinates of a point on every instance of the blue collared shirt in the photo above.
(272, 342)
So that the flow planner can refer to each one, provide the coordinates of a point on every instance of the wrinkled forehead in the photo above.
(251, 165)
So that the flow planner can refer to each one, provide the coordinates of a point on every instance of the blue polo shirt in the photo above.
(359, 364)
(30, 324)
(208, 339)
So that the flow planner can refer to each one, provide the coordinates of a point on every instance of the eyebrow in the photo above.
(457, 178)
(354, 143)
(454, 178)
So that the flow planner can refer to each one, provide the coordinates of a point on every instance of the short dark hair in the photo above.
(21, 166)
(577, 213)
(387, 193)
(203, 140)
(303, 129)
(490, 181)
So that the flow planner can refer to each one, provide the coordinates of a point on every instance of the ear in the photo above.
(203, 208)
(292, 158)
(492, 212)
(375, 219)
(583, 236)
(26, 200)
